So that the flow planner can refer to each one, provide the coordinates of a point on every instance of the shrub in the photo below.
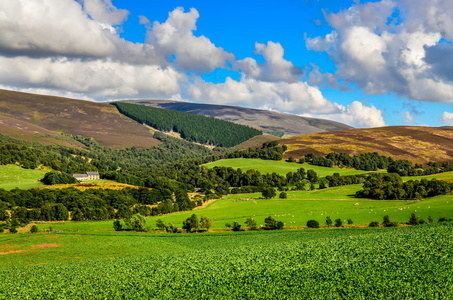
(171, 228)
(117, 225)
(206, 222)
(161, 225)
(237, 226)
(34, 229)
(374, 224)
(283, 195)
(338, 223)
(251, 223)
(280, 225)
(13, 230)
(191, 222)
(269, 192)
(328, 221)
(350, 222)
(413, 220)
(136, 222)
(271, 223)
(312, 224)
(227, 225)
(386, 221)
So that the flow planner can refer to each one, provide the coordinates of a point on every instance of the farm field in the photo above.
(355, 263)
(12, 176)
(295, 211)
(279, 167)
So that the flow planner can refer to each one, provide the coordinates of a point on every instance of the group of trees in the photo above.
(391, 187)
(373, 161)
(91, 204)
(31, 156)
(367, 161)
(192, 127)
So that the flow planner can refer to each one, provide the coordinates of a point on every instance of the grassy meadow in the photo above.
(279, 167)
(12, 176)
(295, 211)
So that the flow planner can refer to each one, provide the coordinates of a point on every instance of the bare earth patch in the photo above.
(15, 251)
(42, 246)
(9, 249)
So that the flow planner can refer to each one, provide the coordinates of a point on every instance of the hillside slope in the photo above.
(41, 118)
(267, 121)
(417, 144)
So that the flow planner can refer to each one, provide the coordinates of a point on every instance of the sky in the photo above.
(362, 63)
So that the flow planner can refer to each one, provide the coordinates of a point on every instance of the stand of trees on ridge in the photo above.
(392, 187)
(192, 127)
(374, 161)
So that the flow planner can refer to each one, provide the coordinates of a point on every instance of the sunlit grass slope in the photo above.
(12, 176)
(279, 167)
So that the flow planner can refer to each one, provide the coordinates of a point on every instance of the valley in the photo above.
(147, 215)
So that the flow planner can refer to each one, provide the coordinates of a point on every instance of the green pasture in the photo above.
(295, 211)
(12, 176)
(355, 263)
(440, 176)
(279, 167)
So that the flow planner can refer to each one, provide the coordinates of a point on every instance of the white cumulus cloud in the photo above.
(447, 118)
(382, 54)
(175, 38)
(357, 115)
(274, 68)
(296, 98)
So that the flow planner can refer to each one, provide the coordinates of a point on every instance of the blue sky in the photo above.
(364, 63)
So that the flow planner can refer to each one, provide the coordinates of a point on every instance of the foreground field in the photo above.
(12, 176)
(279, 167)
(398, 263)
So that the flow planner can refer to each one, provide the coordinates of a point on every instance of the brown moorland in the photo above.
(42, 118)
(417, 144)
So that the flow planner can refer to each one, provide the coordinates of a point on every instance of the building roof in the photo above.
(92, 173)
(79, 175)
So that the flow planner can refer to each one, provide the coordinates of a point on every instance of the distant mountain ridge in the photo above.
(267, 121)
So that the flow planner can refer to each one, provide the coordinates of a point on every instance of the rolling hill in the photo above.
(42, 119)
(267, 121)
(417, 144)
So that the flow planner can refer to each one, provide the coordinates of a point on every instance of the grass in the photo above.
(12, 176)
(355, 263)
(295, 211)
(279, 167)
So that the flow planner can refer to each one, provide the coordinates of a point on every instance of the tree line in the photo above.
(391, 187)
(374, 161)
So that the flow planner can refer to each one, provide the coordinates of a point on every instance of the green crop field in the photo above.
(357, 263)
(12, 176)
(279, 167)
